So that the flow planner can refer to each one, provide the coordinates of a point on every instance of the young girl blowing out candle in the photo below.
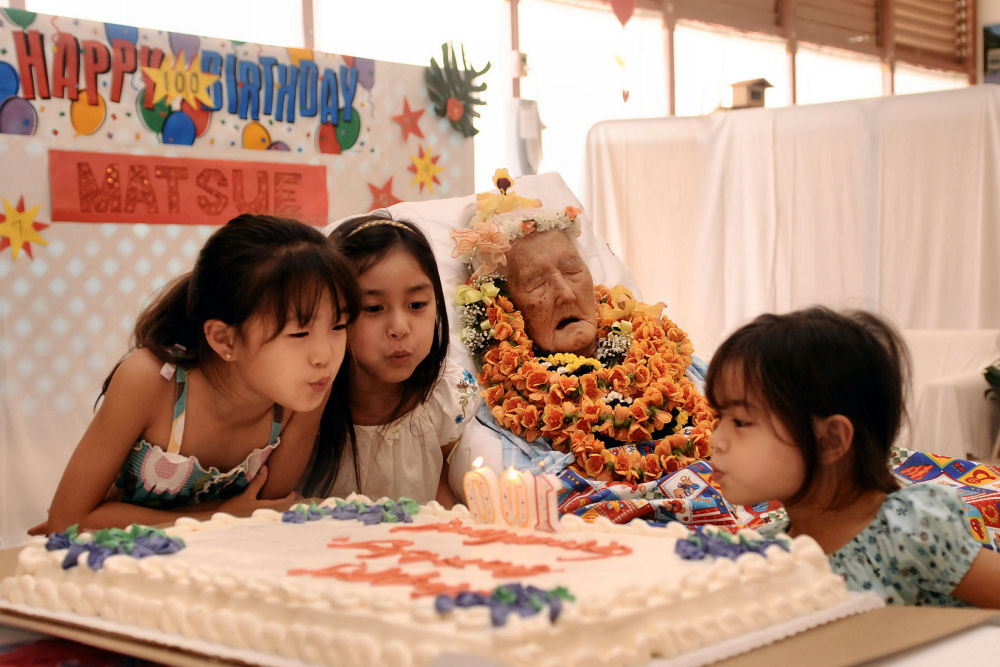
(809, 405)
(398, 406)
(218, 405)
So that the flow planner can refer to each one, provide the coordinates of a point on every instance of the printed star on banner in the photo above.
(383, 197)
(426, 169)
(18, 228)
(175, 79)
(408, 120)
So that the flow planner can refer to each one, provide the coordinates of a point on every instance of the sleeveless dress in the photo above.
(403, 458)
(162, 479)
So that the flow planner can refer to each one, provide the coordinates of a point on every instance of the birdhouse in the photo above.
(749, 93)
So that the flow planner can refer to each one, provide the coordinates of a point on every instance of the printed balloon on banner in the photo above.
(87, 117)
(199, 115)
(279, 146)
(348, 131)
(366, 72)
(9, 81)
(17, 116)
(155, 117)
(182, 42)
(21, 17)
(298, 55)
(116, 31)
(326, 139)
(179, 129)
(256, 137)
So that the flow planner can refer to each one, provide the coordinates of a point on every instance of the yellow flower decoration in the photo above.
(572, 362)
(491, 203)
(623, 304)
(466, 294)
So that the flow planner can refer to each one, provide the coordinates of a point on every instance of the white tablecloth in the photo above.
(949, 412)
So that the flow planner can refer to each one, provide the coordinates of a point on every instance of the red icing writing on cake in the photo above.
(429, 583)
(423, 584)
(388, 548)
(481, 536)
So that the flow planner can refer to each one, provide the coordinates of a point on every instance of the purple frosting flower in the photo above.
(387, 512)
(138, 542)
(508, 599)
(700, 544)
(57, 541)
(443, 604)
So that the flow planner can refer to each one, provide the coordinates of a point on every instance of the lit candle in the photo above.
(547, 502)
(517, 498)
(482, 493)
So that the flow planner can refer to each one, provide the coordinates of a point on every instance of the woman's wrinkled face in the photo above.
(552, 286)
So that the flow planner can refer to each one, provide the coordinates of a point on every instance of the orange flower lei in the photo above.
(575, 411)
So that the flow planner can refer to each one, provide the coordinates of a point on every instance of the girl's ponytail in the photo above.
(167, 323)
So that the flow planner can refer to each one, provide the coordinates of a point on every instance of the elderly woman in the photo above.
(579, 380)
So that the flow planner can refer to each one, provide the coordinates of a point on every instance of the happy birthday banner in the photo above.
(351, 134)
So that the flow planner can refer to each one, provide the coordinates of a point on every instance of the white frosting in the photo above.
(233, 585)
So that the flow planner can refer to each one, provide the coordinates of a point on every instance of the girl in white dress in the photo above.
(397, 406)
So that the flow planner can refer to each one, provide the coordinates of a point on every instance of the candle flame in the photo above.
(477, 462)
(511, 473)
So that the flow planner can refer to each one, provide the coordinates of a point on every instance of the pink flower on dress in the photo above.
(258, 458)
(163, 472)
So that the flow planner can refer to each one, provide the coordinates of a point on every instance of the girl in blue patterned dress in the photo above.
(218, 405)
(398, 406)
(809, 404)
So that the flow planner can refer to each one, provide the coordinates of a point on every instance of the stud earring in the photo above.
(229, 357)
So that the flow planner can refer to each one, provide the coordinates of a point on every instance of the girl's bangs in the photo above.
(296, 286)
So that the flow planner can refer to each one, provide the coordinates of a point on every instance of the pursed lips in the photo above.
(321, 384)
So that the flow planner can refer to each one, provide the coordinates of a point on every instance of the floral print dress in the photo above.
(914, 552)
(154, 477)
(403, 458)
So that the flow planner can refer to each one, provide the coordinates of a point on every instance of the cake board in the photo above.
(152, 644)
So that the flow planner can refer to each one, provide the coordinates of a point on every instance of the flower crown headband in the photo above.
(500, 218)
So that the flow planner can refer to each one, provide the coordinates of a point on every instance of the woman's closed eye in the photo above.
(532, 285)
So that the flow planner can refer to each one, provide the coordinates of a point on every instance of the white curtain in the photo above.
(889, 204)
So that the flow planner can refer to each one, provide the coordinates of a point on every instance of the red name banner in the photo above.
(113, 187)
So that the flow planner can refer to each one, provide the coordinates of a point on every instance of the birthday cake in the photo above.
(362, 583)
